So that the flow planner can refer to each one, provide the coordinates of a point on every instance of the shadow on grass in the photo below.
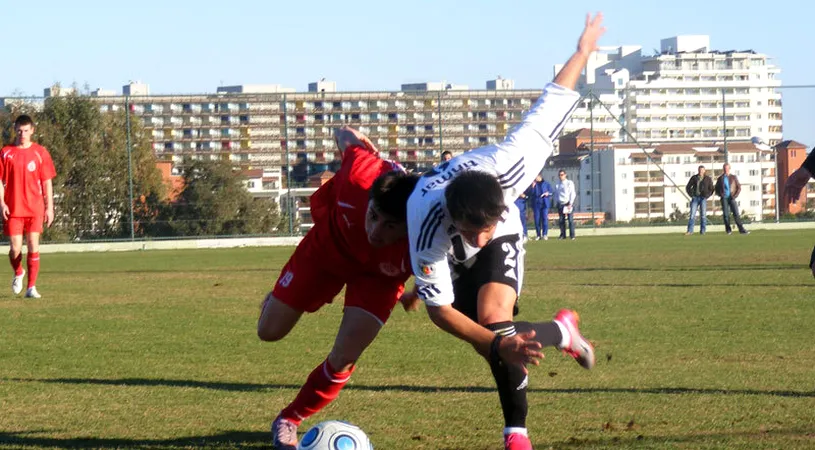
(683, 285)
(639, 439)
(226, 439)
(255, 387)
(731, 267)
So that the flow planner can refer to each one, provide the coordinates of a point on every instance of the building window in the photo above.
(588, 177)
(688, 174)
(753, 173)
(625, 191)
(250, 184)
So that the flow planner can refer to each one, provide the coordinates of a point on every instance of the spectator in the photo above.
(699, 188)
(728, 189)
(446, 155)
(542, 204)
(565, 194)
(520, 203)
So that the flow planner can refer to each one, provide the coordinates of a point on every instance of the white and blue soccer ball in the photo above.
(335, 435)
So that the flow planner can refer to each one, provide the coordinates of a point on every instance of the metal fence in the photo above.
(283, 145)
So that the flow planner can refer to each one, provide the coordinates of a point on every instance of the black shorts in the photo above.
(501, 261)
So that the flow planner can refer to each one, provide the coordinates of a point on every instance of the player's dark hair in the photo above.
(390, 192)
(23, 120)
(475, 198)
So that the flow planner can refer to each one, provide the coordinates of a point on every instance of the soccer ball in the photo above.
(335, 435)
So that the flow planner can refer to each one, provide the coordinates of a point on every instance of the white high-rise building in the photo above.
(684, 92)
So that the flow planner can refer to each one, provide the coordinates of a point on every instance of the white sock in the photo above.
(567, 337)
(510, 430)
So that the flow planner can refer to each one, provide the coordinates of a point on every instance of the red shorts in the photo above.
(15, 226)
(309, 280)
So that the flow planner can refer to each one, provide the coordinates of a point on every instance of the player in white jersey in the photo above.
(467, 253)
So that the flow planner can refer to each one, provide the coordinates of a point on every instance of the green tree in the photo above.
(213, 202)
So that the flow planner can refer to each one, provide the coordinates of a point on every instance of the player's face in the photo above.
(24, 133)
(382, 229)
(476, 237)
(447, 157)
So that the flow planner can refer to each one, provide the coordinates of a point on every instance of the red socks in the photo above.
(33, 263)
(322, 387)
(16, 263)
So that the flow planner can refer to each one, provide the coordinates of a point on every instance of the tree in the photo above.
(91, 189)
(213, 202)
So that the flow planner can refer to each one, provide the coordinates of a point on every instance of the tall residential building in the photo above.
(261, 125)
(684, 92)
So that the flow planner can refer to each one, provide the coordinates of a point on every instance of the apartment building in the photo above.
(647, 181)
(684, 92)
(269, 126)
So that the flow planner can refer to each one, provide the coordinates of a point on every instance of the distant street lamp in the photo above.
(761, 145)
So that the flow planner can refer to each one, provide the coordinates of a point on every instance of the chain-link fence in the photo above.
(223, 164)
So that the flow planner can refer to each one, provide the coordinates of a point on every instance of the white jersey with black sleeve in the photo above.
(515, 162)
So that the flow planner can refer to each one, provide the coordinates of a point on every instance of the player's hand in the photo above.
(521, 350)
(5, 211)
(591, 34)
(410, 301)
(795, 183)
(49, 217)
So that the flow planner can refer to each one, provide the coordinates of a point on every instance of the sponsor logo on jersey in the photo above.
(32, 166)
(427, 268)
(445, 174)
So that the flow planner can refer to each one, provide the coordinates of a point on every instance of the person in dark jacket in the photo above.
(542, 203)
(728, 189)
(699, 189)
(794, 186)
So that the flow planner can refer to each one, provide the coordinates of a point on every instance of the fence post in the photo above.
(288, 167)
(129, 165)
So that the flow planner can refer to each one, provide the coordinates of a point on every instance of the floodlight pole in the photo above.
(129, 165)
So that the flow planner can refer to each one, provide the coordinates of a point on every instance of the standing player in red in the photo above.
(359, 240)
(27, 200)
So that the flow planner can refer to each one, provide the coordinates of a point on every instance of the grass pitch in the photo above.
(703, 342)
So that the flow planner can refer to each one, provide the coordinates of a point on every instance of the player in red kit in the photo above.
(359, 240)
(27, 197)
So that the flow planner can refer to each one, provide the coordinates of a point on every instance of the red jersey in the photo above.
(22, 171)
(338, 210)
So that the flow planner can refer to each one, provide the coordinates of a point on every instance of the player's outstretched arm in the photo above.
(586, 45)
(519, 349)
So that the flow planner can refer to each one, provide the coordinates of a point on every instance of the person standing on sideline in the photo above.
(728, 189)
(699, 188)
(795, 184)
(542, 203)
(27, 196)
(521, 203)
(565, 195)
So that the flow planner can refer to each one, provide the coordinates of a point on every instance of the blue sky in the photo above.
(181, 46)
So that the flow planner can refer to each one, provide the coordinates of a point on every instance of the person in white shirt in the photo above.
(565, 196)
(467, 251)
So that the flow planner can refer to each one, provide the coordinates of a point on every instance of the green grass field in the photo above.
(703, 343)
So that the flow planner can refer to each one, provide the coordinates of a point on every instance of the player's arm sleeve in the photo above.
(428, 255)
(47, 169)
(572, 193)
(522, 155)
